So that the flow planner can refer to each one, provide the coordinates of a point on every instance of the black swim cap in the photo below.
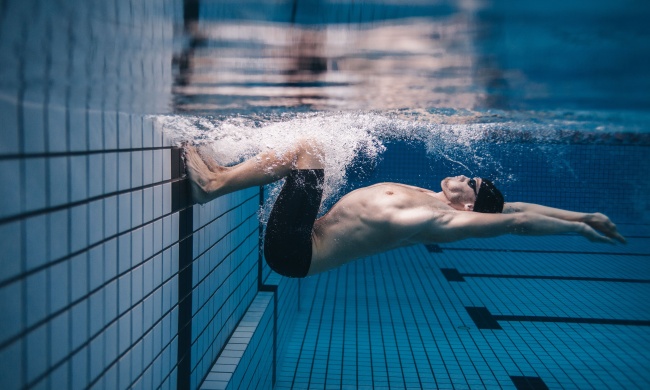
(489, 199)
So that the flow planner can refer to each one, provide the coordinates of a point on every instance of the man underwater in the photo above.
(377, 218)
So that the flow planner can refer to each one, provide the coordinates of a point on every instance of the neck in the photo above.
(441, 197)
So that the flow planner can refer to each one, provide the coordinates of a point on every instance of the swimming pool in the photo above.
(111, 278)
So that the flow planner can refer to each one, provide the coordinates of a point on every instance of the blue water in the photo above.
(549, 99)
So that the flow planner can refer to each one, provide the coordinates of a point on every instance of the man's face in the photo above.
(461, 191)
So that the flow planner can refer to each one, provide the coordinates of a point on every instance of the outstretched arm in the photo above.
(462, 225)
(597, 221)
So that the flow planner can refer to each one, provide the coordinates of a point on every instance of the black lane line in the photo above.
(483, 319)
(433, 248)
(573, 320)
(453, 275)
(181, 200)
(543, 251)
(528, 383)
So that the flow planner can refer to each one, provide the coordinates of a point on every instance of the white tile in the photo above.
(110, 130)
(59, 286)
(136, 208)
(136, 362)
(110, 216)
(78, 130)
(168, 239)
(110, 301)
(36, 246)
(60, 337)
(95, 130)
(157, 236)
(110, 258)
(58, 171)
(148, 204)
(124, 209)
(96, 221)
(110, 172)
(60, 376)
(136, 247)
(157, 135)
(124, 333)
(110, 344)
(147, 167)
(79, 369)
(12, 307)
(78, 227)
(9, 129)
(124, 290)
(95, 175)
(36, 357)
(136, 132)
(11, 253)
(124, 368)
(147, 133)
(167, 163)
(96, 267)
(124, 130)
(78, 178)
(78, 276)
(167, 198)
(36, 297)
(124, 253)
(11, 359)
(58, 229)
(96, 352)
(147, 241)
(33, 122)
(56, 129)
(10, 194)
(158, 165)
(136, 169)
(96, 313)
(124, 171)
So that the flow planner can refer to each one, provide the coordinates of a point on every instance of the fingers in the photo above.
(619, 237)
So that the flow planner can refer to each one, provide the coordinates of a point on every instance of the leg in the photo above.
(211, 182)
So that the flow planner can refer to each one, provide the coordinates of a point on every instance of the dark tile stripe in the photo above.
(572, 320)
(452, 275)
(528, 383)
(486, 320)
(543, 251)
(180, 199)
(433, 248)
(482, 318)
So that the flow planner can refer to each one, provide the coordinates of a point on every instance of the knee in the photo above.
(308, 154)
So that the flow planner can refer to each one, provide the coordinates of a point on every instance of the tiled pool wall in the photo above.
(109, 277)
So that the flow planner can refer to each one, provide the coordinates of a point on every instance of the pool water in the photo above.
(111, 278)
(548, 100)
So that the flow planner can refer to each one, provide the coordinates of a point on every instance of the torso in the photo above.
(371, 220)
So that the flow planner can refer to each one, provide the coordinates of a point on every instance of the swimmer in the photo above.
(377, 218)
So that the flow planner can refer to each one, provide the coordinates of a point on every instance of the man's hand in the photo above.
(602, 224)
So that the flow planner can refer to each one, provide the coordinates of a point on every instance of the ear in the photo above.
(468, 207)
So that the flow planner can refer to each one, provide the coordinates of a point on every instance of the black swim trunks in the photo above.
(287, 242)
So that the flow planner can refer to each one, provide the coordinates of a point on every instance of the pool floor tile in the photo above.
(398, 320)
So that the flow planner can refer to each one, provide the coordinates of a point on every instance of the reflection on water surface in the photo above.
(471, 55)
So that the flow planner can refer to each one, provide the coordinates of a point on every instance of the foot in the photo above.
(205, 152)
(200, 175)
